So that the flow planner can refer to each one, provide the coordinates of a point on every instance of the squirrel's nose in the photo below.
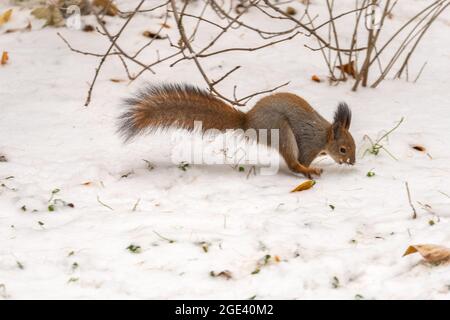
(350, 161)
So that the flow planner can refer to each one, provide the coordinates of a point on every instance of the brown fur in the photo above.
(304, 134)
(177, 106)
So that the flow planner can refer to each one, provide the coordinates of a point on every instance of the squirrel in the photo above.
(303, 133)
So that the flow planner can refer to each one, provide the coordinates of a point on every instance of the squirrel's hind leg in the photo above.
(289, 151)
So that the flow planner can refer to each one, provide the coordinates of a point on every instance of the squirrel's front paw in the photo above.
(313, 171)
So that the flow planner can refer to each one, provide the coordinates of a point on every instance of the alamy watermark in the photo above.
(233, 147)
(70, 11)
(73, 17)
(73, 20)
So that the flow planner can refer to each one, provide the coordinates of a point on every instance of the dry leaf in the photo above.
(5, 17)
(5, 58)
(88, 28)
(107, 5)
(87, 183)
(152, 35)
(165, 25)
(348, 68)
(277, 258)
(418, 148)
(291, 11)
(430, 252)
(51, 14)
(315, 78)
(116, 80)
(304, 186)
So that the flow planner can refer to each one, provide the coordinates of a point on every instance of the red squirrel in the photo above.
(303, 133)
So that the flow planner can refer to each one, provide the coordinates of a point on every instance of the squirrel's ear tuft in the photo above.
(343, 116)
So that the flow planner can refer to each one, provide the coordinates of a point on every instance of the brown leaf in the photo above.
(348, 68)
(88, 28)
(108, 6)
(5, 58)
(430, 252)
(152, 35)
(5, 17)
(165, 25)
(116, 80)
(51, 14)
(240, 8)
(418, 148)
(315, 78)
(308, 184)
(291, 11)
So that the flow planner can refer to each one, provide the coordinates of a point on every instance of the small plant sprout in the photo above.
(150, 165)
(134, 248)
(54, 191)
(53, 203)
(371, 173)
(222, 274)
(126, 175)
(256, 271)
(335, 283)
(264, 261)
(204, 245)
(183, 166)
(376, 146)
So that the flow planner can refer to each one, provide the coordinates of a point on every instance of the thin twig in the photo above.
(136, 205)
(420, 72)
(410, 202)
(104, 204)
(103, 59)
(163, 238)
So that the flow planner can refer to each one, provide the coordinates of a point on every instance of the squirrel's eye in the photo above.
(343, 150)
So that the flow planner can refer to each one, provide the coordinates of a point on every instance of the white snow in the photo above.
(52, 142)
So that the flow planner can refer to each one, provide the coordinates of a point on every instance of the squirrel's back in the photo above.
(167, 105)
(274, 109)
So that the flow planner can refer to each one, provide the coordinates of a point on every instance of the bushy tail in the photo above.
(178, 106)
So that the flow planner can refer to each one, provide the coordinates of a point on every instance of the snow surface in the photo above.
(354, 251)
